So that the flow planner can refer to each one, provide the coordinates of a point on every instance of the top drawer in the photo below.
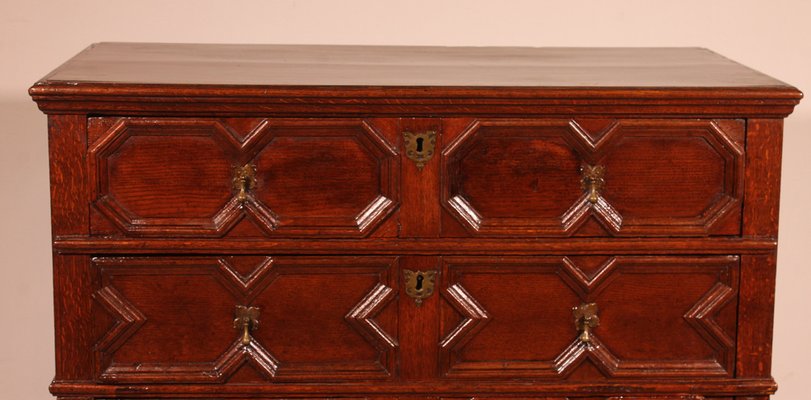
(341, 178)
(200, 177)
(594, 177)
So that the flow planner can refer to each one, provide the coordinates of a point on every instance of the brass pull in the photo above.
(585, 318)
(244, 180)
(419, 284)
(246, 319)
(592, 181)
(419, 146)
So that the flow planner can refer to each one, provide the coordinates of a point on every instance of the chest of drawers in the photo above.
(412, 222)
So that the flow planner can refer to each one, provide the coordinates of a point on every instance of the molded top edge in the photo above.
(207, 66)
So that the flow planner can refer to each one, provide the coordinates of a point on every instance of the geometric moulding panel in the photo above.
(187, 177)
(624, 177)
(172, 319)
(658, 317)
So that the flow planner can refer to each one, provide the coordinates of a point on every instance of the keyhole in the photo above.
(419, 144)
(419, 282)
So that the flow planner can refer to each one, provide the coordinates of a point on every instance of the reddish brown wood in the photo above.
(764, 144)
(420, 200)
(453, 128)
(708, 387)
(760, 215)
(420, 246)
(281, 65)
(297, 80)
(756, 311)
(155, 247)
(73, 281)
(67, 146)
(419, 327)
(165, 308)
(315, 177)
(532, 183)
(74, 319)
(648, 326)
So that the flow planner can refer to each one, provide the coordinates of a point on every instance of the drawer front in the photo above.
(594, 177)
(241, 177)
(245, 319)
(586, 318)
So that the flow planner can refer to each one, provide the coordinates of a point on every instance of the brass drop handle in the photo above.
(419, 284)
(585, 319)
(244, 180)
(246, 319)
(592, 181)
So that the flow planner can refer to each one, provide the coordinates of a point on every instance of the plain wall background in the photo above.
(36, 36)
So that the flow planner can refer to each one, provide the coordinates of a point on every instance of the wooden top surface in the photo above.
(401, 66)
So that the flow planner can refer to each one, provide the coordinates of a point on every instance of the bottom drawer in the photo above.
(592, 317)
(314, 320)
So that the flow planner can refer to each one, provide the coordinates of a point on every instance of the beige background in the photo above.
(35, 36)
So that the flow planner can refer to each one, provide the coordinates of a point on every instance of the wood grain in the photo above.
(73, 282)
(708, 387)
(419, 326)
(764, 146)
(643, 330)
(74, 319)
(278, 65)
(311, 178)
(155, 246)
(419, 246)
(413, 81)
(420, 202)
(756, 311)
(181, 302)
(531, 185)
(67, 147)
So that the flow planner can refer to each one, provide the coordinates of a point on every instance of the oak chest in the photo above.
(412, 222)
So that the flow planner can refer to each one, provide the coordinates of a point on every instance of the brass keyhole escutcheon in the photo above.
(585, 319)
(244, 181)
(419, 284)
(592, 181)
(419, 146)
(246, 319)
